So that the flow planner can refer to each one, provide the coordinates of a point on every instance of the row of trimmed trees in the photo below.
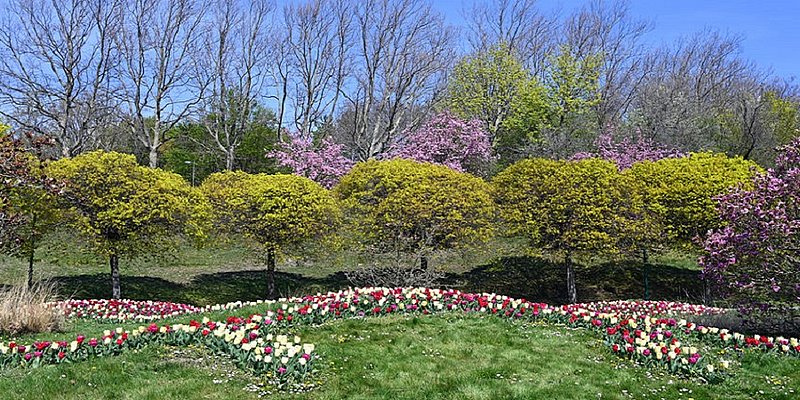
(566, 208)
(589, 207)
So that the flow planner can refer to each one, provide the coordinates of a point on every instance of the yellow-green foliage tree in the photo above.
(37, 204)
(410, 207)
(27, 199)
(273, 211)
(125, 209)
(573, 83)
(642, 230)
(682, 189)
(564, 207)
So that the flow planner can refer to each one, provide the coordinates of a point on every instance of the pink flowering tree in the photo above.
(754, 260)
(447, 140)
(627, 151)
(323, 163)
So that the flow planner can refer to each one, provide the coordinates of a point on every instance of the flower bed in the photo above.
(124, 310)
(652, 308)
(649, 333)
(251, 342)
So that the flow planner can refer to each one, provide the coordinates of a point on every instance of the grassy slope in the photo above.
(224, 272)
(384, 358)
(444, 357)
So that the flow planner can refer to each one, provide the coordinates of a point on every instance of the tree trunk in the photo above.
(30, 266)
(153, 157)
(423, 263)
(571, 291)
(31, 251)
(271, 273)
(646, 273)
(230, 158)
(115, 287)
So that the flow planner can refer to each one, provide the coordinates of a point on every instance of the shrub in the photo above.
(24, 309)
(403, 206)
(683, 189)
(273, 211)
(565, 207)
(124, 209)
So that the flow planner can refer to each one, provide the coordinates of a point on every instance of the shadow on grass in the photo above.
(203, 289)
(524, 277)
(536, 279)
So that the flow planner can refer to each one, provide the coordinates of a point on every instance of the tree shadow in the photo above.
(530, 278)
(205, 289)
(521, 277)
(227, 287)
(98, 286)
(540, 280)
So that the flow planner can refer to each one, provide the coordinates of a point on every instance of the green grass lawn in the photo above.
(225, 271)
(403, 357)
(399, 357)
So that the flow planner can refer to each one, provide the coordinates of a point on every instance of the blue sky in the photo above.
(771, 28)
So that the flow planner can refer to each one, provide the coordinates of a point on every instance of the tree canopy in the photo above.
(124, 209)
(567, 207)
(407, 206)
(684, 188)
(272, 211)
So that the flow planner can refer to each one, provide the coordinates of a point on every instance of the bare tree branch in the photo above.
(158, 42)
(520, 24)
(235, 62)
(402, 53)
(55, 70)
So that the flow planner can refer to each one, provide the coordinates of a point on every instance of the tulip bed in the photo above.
(652, 334)
(124, 310)
(253, 343)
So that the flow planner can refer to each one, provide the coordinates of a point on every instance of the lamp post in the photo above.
(187, 162)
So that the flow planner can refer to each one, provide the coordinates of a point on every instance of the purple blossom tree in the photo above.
(754, 261)
(447, 140)
(324, 163)
(627, 151)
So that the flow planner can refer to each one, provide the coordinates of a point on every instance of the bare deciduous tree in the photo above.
(607, 28)
(117, 74)
(55, 69)
(689, 84)
(403, 51)
(761, 117)
(236, 63)
(315, 46)
(158, 42)
(519, 24)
